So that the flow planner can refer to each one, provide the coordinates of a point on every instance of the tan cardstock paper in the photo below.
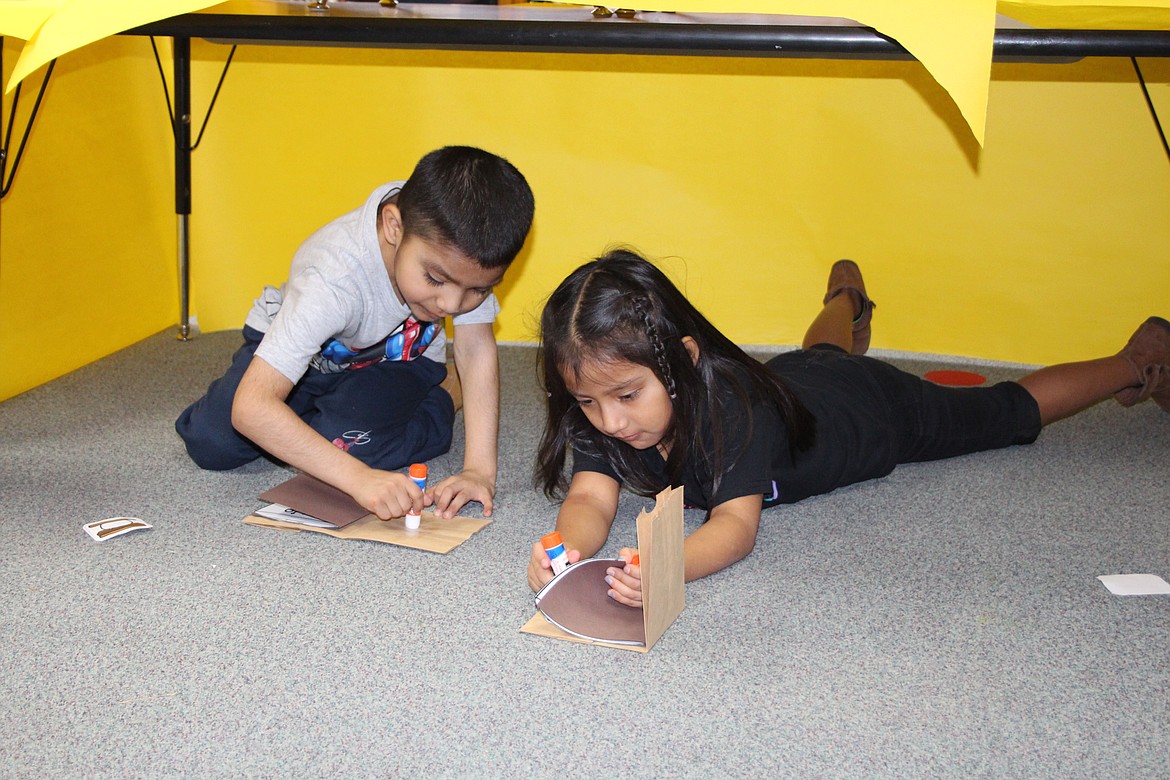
(313, 497)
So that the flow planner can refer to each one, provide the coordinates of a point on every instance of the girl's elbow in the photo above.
(745, 544)
(743, 550)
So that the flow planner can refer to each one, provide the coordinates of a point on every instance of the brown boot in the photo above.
(1148, 351)
(453, 386)
(845, 276)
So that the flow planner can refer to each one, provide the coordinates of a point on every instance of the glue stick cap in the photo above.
(549, 541)
(418, 471)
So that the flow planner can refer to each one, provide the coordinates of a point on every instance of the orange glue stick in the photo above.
(556, 552)
(418, 473)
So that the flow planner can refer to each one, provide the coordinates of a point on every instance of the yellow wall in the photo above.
(87, 231)
(748, 176)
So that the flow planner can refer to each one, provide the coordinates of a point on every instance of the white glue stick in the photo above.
(418, 472)
(556, 552)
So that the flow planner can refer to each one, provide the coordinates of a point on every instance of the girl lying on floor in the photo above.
(646, 392)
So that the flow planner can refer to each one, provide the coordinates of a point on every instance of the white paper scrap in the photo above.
(104, 530)
(1135, 584)
(287, 514)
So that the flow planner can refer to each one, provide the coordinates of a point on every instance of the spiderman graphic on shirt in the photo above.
(405, 343)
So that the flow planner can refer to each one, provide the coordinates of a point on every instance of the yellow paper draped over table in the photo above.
(22, 18)
(1095, 15)
(953, 39)
(55, 27)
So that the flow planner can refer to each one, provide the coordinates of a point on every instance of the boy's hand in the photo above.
(540, 568)
(625, 585)
(388, 494)
(452, 493)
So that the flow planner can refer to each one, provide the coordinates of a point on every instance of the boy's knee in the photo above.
(212, 460)
(427, 434)
(211, 451)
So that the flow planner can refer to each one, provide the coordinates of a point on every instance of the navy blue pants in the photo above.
(387, 415)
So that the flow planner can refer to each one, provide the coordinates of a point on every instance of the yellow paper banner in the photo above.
(953, 39)
(1095, 15)
(55, 28)
(22, 18)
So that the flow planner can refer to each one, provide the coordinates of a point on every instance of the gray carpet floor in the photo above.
(945, 621)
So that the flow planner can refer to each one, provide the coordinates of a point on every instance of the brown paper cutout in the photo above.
(577, 601)
(311, 496)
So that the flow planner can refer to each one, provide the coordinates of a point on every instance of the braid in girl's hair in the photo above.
(642, 307)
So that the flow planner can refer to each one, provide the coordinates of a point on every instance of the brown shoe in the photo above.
(845, 276)
(453, 386)
(1148, 351)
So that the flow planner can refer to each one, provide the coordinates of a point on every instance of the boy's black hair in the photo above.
(620, 307)
(472, 200)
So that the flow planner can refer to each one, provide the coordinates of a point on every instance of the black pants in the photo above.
(871, 416)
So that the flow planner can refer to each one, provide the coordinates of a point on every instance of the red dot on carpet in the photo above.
(955, 378)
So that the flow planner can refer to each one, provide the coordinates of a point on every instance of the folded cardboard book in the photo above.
(305, 503)
(574, 605)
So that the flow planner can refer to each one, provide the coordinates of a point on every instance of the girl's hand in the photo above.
(540, 568)
(625, 585)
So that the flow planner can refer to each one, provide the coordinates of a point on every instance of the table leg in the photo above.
(182, 114)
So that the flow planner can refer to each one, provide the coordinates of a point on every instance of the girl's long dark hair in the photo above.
(620, 307)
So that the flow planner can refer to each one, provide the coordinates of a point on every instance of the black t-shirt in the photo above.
(855, 437)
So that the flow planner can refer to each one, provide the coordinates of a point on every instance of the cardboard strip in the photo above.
(660, 546)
